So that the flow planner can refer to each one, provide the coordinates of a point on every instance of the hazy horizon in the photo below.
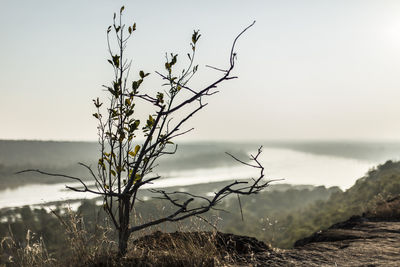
(255, 141)
(308, 70)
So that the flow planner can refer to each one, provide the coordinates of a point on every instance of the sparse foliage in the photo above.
(126, 164)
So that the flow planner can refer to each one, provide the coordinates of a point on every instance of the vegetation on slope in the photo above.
(279, 216)
(284, 226)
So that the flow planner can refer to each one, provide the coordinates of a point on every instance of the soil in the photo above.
(369, 240)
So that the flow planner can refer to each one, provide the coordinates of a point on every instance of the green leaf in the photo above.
(137, 177)
(160, 97)
(122, 9)
(142, 74)
(173, 61)
(115, 60)
(137, 148)
(111, 91)
(113, 172)
(195, 37)
(101, 164)
(150, 122)
(134, 153)
(129, 29)
(116, 85)
(135, 125)
(135, 85)
(97, 103)
(134, 27)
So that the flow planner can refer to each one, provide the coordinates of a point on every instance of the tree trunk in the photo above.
(123, 242)
(123, 233)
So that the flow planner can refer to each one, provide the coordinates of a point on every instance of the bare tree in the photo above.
(125, 165)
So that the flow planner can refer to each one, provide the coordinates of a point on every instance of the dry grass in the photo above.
(177, 249)
(29, 253)
(84, 248)
(195, 243)
(192, 245)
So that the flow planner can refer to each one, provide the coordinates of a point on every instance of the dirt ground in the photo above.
(357, 242)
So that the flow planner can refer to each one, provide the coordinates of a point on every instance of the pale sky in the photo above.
(307, 69)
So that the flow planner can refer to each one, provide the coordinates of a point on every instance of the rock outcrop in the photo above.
(369, 240)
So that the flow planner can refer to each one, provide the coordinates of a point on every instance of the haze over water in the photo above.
(312, 163)
(307, 70)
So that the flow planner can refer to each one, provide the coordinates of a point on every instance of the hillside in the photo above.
(359, 241)
(279, 217)
(368, 240)
(283, 226)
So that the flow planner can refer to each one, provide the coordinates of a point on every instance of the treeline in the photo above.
(63, 158)
(283, 226)
(280, 216)
(51, 225)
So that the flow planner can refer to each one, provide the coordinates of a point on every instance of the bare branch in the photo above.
(218, 69)
(233, 54)
(245, 163)
(184, 211)
(86, 189)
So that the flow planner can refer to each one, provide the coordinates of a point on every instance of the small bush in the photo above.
(385, 209)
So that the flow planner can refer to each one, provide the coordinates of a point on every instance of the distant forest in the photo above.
(279, 216)
(62, 157)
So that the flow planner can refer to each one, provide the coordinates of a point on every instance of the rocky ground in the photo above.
(357, 242)
(369, 240)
